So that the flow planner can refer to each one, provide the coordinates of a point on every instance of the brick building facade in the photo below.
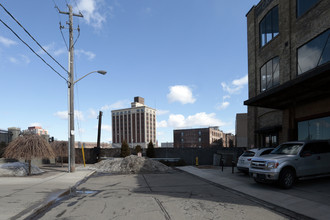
(135, 125)
(201, 137)
(289, 71)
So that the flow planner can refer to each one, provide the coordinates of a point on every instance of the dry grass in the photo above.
(60, 148)
(28, 147)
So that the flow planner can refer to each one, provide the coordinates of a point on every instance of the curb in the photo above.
(284, 211)
(43, 207)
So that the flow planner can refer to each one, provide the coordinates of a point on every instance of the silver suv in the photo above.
(292, 160)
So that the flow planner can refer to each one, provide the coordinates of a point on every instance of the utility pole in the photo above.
(71, 141)
(98, 147)
(99, 129)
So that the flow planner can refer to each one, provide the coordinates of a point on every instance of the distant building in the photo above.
(136, 125)
(167, 144)
(288, 71)
(92, 145)
(5, 136)
(241, 134)
(201, 137)
(38, 131)
(9, 135)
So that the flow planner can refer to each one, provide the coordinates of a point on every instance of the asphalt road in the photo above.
(176, 195)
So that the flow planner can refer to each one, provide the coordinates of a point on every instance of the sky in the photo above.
(186, 58)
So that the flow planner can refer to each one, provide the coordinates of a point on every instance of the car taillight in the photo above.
(249, 159)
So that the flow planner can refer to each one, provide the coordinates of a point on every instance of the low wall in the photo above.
(206, 156)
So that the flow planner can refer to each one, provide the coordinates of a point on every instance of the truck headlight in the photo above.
(272, 165)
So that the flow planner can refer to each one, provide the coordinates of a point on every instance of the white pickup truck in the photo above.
(292, 160)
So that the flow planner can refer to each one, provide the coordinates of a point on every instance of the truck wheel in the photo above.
(287, 178)
(257, 180)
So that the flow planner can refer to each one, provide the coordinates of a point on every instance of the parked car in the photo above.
(244, 160)
(292, 160)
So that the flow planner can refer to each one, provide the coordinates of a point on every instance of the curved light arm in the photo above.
(98, 71)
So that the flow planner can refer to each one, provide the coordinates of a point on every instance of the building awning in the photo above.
(267, 130)
(312, 85)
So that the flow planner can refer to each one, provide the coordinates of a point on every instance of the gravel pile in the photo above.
(18, 169)
(130, 164)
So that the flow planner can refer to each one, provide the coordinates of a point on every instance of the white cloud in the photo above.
(106, 128)
(91, 10)
(177, 121)
(226, 97)
(25, 59)
(161, 124)
(117, 105)
(162, 112)
(81, 130)
(223, 105)
(90, 55)
(64, 115)
(20, 59)
(60, 51)
(92, 113)
(241, 82)
(51, 49)
(7, 42)
(236, 85)
(201, 119)
(180, 93)
(13, 60)
(37, 124)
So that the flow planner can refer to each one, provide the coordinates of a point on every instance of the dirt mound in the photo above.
(18, 169)
(131, 164)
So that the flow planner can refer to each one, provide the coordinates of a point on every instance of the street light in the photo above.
(71, 142)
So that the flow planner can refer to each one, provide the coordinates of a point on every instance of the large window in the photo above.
(268, 26)
(304, 5)
(314, 53)
(270, 74)
(316, 129)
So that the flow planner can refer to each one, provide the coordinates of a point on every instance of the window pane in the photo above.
(275, 21)
(326, 52)
(304, 5)
(309, 55)
(263, 78)
(269, 28)
(269, 74)
(276, 71)
(263, 32)
(316, 129)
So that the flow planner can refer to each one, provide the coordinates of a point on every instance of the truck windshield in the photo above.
(287, 149)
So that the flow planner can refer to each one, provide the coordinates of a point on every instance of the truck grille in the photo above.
(258, 164)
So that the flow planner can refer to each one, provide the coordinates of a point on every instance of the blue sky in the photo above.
(187, 58)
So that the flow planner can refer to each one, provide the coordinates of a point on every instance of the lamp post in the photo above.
(71, 142)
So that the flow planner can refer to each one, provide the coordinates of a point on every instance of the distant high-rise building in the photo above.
(136, 125)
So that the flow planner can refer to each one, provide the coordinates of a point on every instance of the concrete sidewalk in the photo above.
(312, 203)
(22, 196)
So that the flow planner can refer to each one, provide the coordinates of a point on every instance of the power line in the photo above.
(32, 49)
(56, 8)
(33, 38)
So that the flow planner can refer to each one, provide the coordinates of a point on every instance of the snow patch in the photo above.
(18, 169)
(130, 164)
